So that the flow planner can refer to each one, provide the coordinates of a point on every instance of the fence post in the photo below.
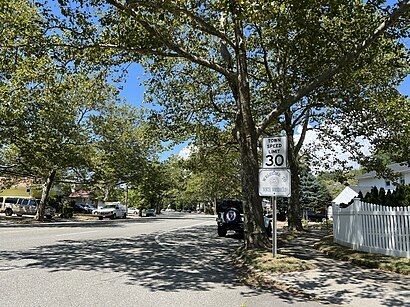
(335, 214)
(355, 224)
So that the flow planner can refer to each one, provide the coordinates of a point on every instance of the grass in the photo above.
(258, 263)
(262, 260)
(369, 260)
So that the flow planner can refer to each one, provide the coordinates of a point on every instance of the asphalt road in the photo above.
(171, 260)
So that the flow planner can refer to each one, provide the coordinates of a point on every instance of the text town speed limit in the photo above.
(274, 150)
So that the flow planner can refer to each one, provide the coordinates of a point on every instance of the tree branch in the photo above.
(404, 7)
(170, 44)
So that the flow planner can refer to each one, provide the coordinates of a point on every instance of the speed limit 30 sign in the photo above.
(275, 151)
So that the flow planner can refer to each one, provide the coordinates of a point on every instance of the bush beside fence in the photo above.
(373, 228)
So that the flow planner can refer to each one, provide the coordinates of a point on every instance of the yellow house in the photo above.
(22, 188)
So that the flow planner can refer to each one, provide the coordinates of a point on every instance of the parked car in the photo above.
(150, 212)
(229, 217)
(313, 216)
(89, 208)
(267, 221)
(112, 211)
(132, 210)
(23, 206)
(78, 208)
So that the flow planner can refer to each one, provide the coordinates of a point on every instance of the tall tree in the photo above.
(47, 135)
(215, 171)
(152, 187)
(228, 41)
(44, 101)
(123, 144)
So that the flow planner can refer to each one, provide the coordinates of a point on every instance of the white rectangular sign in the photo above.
(274, 182)
(274, 152)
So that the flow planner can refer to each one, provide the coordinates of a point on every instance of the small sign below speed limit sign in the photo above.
(275, 152)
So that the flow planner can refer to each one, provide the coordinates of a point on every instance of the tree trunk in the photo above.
(44, 195)
(106, 193)
(126, 195)
(294, 221)
(255, 235)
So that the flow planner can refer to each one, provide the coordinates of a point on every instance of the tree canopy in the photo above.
(239, 65)
(59, 119)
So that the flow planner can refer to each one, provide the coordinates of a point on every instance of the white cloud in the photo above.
(185, 152)
(334, 153)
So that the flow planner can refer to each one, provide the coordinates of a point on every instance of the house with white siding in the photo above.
(368, 180)
(372, 180)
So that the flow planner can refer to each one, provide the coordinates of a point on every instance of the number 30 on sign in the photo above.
(274, 150)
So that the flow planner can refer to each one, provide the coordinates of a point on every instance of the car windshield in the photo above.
(227, 204)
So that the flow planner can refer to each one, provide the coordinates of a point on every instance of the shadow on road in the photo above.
(197, 259)
(193, 259)
(172, 261)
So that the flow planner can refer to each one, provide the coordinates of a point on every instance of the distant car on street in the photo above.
(150, 212)
(267, 221)
(112, 211)
(229, 217)
(132, 210)
(23, 206)
(78, 208)
(313, 216)
(89, 208)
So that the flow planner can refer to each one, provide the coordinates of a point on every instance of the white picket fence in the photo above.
(373, 228)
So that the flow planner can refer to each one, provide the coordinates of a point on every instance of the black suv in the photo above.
(229, 216)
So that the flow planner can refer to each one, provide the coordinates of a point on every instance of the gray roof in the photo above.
(396, 167)
(357, 189)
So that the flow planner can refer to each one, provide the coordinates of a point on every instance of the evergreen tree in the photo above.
(389, 199)
(313, 193)
(372, 197)
(402, 196)
(382, 197)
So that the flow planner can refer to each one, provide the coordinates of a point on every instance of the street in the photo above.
(170, 260)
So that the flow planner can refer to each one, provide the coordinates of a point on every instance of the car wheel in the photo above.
(222, 231)
(48, 217)
(100, 218)
(114, 216)
(8, 212)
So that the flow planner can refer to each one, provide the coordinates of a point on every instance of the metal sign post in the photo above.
(274, 237)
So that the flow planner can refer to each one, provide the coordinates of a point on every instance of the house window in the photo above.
(387, 183)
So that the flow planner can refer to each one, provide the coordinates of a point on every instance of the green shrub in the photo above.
(398, 198)
(67, 212)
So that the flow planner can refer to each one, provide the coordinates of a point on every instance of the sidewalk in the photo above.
(341, 283)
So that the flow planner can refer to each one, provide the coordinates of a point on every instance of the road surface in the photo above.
(168, 260)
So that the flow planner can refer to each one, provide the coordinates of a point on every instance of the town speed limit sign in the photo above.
(275, 152)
